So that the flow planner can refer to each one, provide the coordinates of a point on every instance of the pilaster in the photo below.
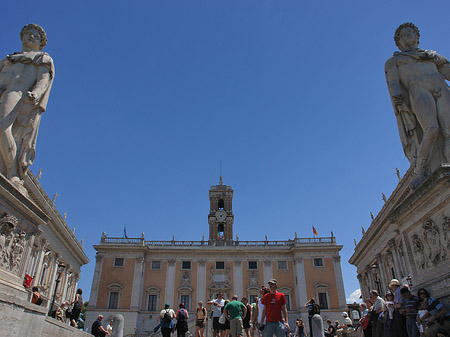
(301, 292)
(96, 281)
(238, 277)
(170, 283)
(339, 282)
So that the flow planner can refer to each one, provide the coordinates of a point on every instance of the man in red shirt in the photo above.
(274, 310)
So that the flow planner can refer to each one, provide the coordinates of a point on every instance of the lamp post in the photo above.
(59, 271)
(375, 275)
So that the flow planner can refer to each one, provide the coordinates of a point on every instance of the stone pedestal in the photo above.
(34, 241)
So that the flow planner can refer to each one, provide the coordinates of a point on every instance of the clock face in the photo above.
(221, 215)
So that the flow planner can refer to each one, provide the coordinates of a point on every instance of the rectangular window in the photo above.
(113, 300)
(186, 265)
(185, 300)
(252, 265)
(288, 302)
(156, 265)
(220, 265)
(152, 302)
(323, 303)
(253, 298)
(393, 272)
(318, 262)
(282, 265)
(118, 262)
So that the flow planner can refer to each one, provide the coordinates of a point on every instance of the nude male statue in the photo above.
(421, 99)
(25, 82)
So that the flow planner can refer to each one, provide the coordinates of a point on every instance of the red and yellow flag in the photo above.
(314, 231)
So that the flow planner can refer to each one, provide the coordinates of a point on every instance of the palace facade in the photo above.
(135, 277)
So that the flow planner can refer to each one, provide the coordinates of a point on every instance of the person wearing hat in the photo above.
(346, 328)
(398, 327)
(166, 320)
(274, 311)
(218, 303)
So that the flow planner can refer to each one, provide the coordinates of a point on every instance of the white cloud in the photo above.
(354, 297)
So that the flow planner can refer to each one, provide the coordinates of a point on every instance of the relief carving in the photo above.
(185, 279)
(429, 246)
(12, 244)
(253, 279)
(419, 252)
(436, 252)
(446, 231)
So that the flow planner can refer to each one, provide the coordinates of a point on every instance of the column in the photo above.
(339, 282)
(361, 285)
(96, 281)
(138, 279)
(237, 278)
(301, 296)
(170, 283)
(267, 271)
(201, 282)
(38, 266)
(397, 265)
(64, 283)
(51, 282)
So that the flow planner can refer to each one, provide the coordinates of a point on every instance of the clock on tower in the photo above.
(220, 217)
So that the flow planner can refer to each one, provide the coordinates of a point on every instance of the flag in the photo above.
(27, 281)
(314, 231)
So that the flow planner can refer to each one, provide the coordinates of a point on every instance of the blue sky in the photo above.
(150, 96)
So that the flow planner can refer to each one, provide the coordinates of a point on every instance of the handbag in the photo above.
(222, 319)
(365, 322)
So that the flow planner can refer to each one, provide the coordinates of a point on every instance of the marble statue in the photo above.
(118, 324)
(421, 100)
(25, 81)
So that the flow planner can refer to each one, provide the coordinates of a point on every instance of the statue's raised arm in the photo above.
(25, 81)
(421, 101)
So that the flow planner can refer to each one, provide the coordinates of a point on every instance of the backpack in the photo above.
(167, 318)
(181, 315)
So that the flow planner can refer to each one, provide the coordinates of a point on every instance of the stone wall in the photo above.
(24, 319)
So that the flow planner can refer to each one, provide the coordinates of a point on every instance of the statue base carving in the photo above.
(410, 238)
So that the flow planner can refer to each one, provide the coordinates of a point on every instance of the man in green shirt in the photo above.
(234, 311)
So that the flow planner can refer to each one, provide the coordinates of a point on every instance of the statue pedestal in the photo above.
(409, 239)
(423, 220)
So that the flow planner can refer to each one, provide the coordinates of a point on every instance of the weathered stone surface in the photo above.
(25, 82)
(317, 326)
(409, 239)
(421, 100)
(24, 319)
(118, 324)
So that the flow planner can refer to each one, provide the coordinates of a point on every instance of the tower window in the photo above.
(220, 231)
(220, 204)
(220, 265)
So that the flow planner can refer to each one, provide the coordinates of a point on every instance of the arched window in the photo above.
(114, 295)
(252, 294)
(221, 204)
(322, 297)
(220, 231)
(185, 296)
(153, 299)
(288, 294)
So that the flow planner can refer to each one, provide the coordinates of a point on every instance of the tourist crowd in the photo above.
(403, 314)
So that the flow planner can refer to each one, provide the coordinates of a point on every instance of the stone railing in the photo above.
(143, 242)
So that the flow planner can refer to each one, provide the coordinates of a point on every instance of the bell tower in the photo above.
(221, 217)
